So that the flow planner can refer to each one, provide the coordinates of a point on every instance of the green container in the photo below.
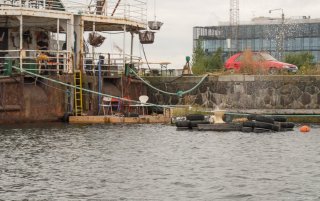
(8, 67)
(127, 70)
(188, 59)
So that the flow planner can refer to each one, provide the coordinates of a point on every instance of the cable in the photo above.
(145, 57)
(36, 80)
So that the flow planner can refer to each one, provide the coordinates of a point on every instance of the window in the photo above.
(240, 58)
(306, 43)
(298, 44)
(257, 46)
(266, 44)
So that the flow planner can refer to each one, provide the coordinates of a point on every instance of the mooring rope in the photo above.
(179, 93)
(87, 90)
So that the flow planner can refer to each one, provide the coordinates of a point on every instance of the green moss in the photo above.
(181, 112)
(304, 119)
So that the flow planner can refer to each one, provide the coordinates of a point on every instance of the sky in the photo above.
(175, 39)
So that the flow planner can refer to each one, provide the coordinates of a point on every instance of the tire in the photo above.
(183, 124)
(194, 124)
(246, 129)
(286, 129)
(251, 117)
(231, 70)
(287, 125)
(279, 118)
(195, 117)
(220, 127)
(250, 124)
(276, 128)
(273, 71)
(264, 125)
(264, 119)
(261, 130)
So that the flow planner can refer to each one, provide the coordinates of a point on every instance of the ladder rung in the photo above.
(78, 93)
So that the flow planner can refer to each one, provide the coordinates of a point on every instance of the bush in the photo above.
(203, 63)
(249, 65)
(304, 61)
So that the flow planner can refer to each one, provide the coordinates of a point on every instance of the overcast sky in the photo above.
(174, 41)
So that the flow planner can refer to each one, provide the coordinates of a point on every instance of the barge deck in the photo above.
(146, 119)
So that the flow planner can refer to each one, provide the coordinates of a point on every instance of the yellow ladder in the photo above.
(78, 93)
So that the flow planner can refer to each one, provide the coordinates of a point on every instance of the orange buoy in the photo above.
(305, 129)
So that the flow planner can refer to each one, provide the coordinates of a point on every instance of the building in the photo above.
(275, 35)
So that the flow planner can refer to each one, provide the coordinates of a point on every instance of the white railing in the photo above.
(36, 61)
(111, 64)
(34, 4)
(129, 9)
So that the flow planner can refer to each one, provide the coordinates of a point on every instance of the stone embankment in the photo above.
(289, 94)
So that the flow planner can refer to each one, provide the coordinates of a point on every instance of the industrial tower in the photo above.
(234, 25)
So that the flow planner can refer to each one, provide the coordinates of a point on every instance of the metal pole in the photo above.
(124, 57)
(131, 51)
(93, 49)
(21, 40)
(58, 44)
(124, 46)
(282, 36)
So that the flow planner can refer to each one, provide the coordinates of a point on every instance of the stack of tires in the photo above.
(261, 124)
(192, 121)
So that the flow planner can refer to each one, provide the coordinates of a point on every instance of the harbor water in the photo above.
(156, 162)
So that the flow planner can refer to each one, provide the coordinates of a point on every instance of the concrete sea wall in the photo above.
(244, 93)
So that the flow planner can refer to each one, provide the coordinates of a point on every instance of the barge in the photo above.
(48, 42)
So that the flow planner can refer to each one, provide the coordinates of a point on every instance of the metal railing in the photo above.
(34, 4)
(129, 9)
(111, 64)
(36, 61)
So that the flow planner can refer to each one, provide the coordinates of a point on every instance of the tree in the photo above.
(302, 59)
(203, 63)
(198, 59)
(215, 62)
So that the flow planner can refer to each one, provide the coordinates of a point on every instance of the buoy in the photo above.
(305, 129)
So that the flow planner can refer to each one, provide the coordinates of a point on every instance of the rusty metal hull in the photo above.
(25, 99)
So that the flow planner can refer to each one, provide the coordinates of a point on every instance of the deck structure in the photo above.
(50, 38)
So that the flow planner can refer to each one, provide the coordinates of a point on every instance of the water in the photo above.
(156, 162)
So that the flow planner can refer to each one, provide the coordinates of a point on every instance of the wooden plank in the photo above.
(119, 120)
(87, 119)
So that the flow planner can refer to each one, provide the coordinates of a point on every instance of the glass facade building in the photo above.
(264, 34)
